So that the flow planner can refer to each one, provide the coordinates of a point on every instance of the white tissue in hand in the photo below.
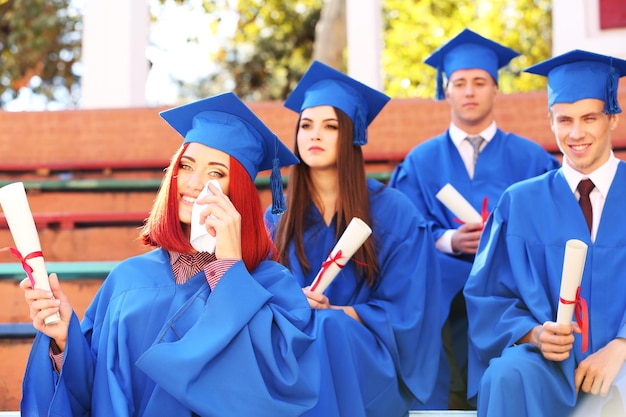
(200, 238)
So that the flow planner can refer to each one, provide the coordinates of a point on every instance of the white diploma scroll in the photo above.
(22, 226)
(573, 266)
(199, 237)
(350, 241)
(458, 205)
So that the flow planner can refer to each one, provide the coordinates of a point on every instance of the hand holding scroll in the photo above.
(570, 301)
(458, 205)
(28, 248)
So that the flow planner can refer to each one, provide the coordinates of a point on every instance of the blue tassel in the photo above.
(441, 94)
(611, 106)
(276, 184)
(360, 128)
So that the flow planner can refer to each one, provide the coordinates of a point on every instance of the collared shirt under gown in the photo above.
(378, 366)
(515, 281)
(150, 347)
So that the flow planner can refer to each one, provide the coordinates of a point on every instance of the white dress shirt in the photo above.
(601, 178)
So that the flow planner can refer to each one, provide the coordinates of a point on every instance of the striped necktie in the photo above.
(475, 141)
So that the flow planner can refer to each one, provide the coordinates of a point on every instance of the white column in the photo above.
(115, 67)
(576, 25)
(364, 29)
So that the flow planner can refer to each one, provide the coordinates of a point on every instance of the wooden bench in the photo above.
(107, 167)
(127, 185)
(68, 220)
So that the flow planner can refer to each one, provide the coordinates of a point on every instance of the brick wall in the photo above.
(139, 133)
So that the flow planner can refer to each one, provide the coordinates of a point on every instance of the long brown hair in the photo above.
(352, 201)
(163, 227)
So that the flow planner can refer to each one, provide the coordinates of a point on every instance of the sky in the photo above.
(170, 52)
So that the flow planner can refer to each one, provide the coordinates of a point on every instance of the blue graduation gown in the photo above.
(514, 285)
(376, 368)
(505, 160)
(150, 347)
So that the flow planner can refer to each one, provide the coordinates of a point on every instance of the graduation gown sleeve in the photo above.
(242, 350)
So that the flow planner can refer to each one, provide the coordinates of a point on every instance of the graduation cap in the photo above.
(469, 50)
(577, 75)
(322, 85)
(225, 123)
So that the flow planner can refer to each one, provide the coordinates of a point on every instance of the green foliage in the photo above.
(271, 47)
(274, 39)
(40, 39)
(414, 29)
(273, 43)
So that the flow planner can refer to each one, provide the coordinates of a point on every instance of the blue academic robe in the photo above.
(150, 347)
(378, 367)
(515, 283)
(505, 160)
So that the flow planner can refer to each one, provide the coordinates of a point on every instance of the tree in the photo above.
(272, 46)
(275, 40)
(413, 30)
(39, 45)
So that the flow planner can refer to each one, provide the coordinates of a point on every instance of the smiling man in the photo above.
(521, 362)
(470, 64)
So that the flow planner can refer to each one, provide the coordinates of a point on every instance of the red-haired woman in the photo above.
(376, 324)
(176, 332)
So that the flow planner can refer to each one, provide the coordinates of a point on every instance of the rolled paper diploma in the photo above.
(458, 205)
(199, 237)
(573, 266)
(350, 241)
(22, 226)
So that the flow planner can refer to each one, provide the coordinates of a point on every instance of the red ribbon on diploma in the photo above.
(27, 268)
(581, 316)
(325, 265)
(484, 213)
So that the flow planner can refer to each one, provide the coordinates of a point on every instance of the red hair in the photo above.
(164, 229)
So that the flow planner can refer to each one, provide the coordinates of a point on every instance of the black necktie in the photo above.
(584, 188)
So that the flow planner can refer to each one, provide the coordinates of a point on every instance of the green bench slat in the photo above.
(65, 270)
(90, 185)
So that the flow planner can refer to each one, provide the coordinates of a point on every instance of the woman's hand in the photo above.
(224, 224)
(43, 304)
(321, 302)
(316, 300)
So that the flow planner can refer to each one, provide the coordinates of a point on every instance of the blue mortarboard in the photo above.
(577, 75)
(225, 123)
(469, 50)
(322, 85)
